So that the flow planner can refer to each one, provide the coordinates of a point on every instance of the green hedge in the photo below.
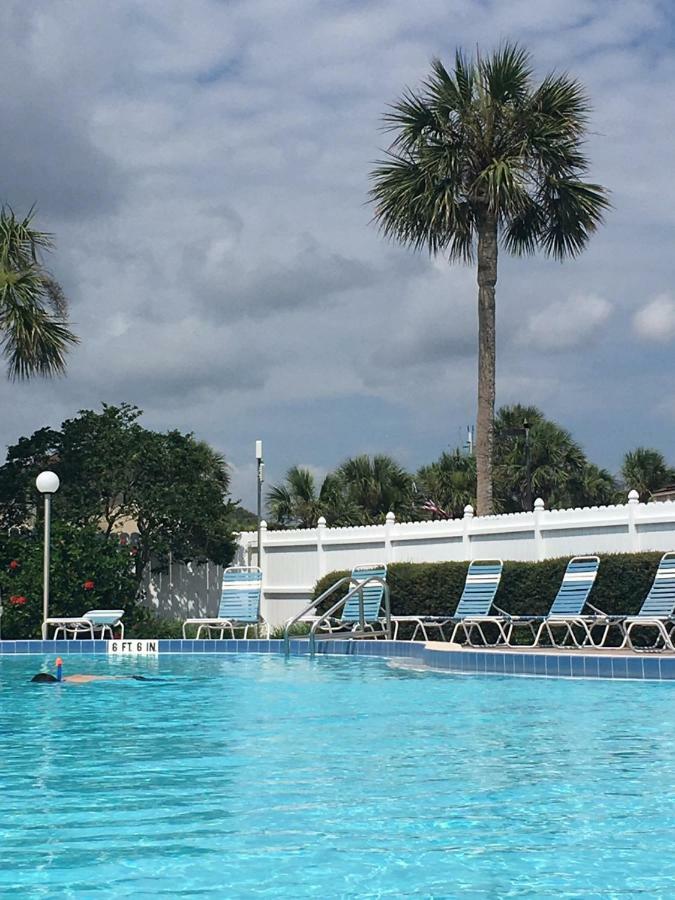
(527, 588)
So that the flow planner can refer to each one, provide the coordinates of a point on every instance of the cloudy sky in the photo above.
(204, 168)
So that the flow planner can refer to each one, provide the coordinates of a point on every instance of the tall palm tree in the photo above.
(483, 156)
(645, 470)
(33, 309)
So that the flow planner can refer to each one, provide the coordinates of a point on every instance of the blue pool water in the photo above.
(251, 775)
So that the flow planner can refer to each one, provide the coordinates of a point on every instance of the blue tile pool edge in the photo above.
(481, 661)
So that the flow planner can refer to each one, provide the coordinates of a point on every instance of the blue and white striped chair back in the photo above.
(240, 595)
(372, 594)
(660, 601)
(482, 581)
(576, 585)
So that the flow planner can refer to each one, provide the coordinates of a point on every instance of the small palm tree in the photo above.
(295, 502)
(33, 308)
(448, 485)
(594, 487)
(556, 461)
(482, 156)
(377, 485)
(645, 470)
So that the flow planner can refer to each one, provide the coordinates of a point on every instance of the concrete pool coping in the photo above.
(451, 658)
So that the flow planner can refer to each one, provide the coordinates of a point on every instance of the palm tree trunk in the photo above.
(487, 279)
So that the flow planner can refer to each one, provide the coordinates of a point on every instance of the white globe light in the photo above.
(47, 482)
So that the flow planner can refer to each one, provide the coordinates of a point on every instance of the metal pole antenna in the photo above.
(528, 468)
(45, 565)
(261, 478)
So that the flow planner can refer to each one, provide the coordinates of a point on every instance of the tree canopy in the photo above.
(363, 489)
(169, 487)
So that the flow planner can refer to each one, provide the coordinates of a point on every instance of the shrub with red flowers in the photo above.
(87, 569)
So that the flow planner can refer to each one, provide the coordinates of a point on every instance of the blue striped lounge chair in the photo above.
(567, 610)
(239, 604)
(373, 594)
(473, 610)
(658, 609)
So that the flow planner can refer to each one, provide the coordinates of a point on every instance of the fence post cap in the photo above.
(263, 524)
(468, 511)
(390, 517)
(321, 522)
(633, 496)
(538, 503)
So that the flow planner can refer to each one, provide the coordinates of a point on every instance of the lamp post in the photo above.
(261, 478)
(47, 483)
(528, 467)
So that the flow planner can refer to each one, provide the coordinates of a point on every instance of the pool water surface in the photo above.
(252, 775)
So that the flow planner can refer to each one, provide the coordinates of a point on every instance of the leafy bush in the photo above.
(88, 571)
(527, 588)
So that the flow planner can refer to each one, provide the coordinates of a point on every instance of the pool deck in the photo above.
(552, 662)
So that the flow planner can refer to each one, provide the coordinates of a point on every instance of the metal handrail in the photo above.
(358, 588)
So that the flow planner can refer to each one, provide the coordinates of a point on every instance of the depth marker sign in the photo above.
(133, 648)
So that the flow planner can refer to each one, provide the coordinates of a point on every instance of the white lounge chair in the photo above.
(95, 622)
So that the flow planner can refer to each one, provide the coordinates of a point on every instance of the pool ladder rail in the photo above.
(365, 629)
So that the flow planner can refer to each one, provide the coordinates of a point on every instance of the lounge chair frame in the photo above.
(658, 610)
(566, 614)
(473, 609)
(95, 623)
(240, 599)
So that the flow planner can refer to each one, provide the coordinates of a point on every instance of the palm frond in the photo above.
(416, 206)
(573, 210)
(33, 307)
(505, 74)
(522, 233)
(562, 103)
(411, 117)
(34, 342)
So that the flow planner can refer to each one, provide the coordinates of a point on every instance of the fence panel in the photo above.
(293, 561)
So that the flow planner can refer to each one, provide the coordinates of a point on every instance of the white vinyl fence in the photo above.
(292, 561)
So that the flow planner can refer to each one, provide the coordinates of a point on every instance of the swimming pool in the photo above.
(249, 775)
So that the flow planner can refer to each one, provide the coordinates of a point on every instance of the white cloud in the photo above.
(655, 321)
(571, 323)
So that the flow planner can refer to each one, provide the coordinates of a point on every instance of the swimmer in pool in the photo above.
(48, 678)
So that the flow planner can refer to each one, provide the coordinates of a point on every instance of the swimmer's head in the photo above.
(44, 678)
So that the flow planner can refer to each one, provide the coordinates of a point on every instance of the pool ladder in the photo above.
(365, 630)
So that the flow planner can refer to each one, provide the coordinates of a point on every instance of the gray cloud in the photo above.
(204, 170)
